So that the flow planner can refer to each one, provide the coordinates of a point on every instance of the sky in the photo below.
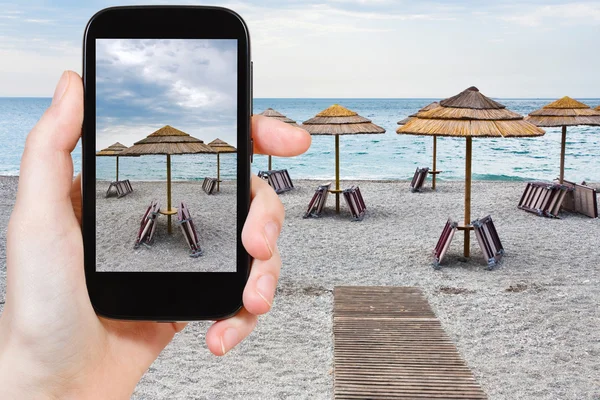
(352, 48)
(141, 85)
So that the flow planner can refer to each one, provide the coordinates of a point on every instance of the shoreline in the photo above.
(364, 180)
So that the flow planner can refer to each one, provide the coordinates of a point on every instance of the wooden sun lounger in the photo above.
(581, 199)
(147, 225)
(543, 198)
(315, 207)
(388, 344)
(279, 180)
(209, 185)
(355, 202)
(488, 239)
(122, 188)
(189, 230)
(418, 179)
(444, 243)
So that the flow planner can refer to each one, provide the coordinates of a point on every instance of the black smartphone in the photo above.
(166, 162)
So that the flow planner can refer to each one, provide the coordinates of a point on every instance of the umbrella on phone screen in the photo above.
(168, 141)
(221, 147)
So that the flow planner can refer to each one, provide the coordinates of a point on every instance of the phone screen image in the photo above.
(166, 155)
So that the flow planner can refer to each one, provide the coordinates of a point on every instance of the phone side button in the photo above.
(251, 150)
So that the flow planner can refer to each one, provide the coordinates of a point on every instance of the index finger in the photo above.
(278, 138)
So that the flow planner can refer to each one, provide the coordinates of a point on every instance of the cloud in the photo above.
(185, 83)
(563, 14)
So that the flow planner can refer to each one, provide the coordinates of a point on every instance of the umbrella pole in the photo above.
(270, 167)
(169, 191)
(337, 174)
(117, 168)
(468, 197)
(434, 162)
(218, 173)
(562, 153)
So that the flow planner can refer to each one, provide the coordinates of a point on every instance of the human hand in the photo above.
(52, 344)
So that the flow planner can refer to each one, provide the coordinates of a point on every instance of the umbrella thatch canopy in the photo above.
(470, 114)
(114, 150)
(169, 141)
(564, 112)
(220, 146)
(597, 108)
(434, 171)
(337, 120)
(269, 112)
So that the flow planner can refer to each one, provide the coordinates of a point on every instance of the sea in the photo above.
(387, 156)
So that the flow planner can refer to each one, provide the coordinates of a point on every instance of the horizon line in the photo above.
(349, 98)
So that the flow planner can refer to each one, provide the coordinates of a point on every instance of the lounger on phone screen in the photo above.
(418, 179)
(315, 207)
(209, 185)
(145, 234)
(488, 239)
(355, 203)
(444, 243)
(189, 230)
(581, 199)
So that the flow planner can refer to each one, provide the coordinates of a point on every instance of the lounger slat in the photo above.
(489, 241)
(418, 179)
(317, 203)
(444, 242)
(279, 180)
(184, 219)
(543, 198)
(581, 199)
(355, 202)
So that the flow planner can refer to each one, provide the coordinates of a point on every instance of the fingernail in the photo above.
(61, 87)
(271, 234)
(229, 339)
(265, 287)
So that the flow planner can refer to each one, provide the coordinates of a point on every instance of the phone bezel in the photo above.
(165, 296)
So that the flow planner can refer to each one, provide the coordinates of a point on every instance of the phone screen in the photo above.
(166, 155)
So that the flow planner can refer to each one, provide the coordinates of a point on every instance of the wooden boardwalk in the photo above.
(388, 344)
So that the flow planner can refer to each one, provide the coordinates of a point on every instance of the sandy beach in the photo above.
(119, 219)
(528, 329)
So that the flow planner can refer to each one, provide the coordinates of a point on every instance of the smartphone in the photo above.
(166, 162)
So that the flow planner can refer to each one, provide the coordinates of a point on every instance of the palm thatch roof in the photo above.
(220, 146)
(428, 107)
(565, 112)
(338, 120)
(269, 112)
(597, 108)
(168, 140)
(112, 150)
(470, 114)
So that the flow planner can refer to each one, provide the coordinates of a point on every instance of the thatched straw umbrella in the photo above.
(564, 112)
(470, 114)
(221, 147)
(434, 171)
(169, 141)
(337, 120)
(597, 108)
(114, 150)
(269, 112)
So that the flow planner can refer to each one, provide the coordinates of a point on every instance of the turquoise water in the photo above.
(385, 156)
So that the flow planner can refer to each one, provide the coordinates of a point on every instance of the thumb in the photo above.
(46, 172)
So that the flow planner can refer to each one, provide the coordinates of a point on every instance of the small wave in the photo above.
(498, 177)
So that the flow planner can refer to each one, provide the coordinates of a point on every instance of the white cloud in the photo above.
(563, 14)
